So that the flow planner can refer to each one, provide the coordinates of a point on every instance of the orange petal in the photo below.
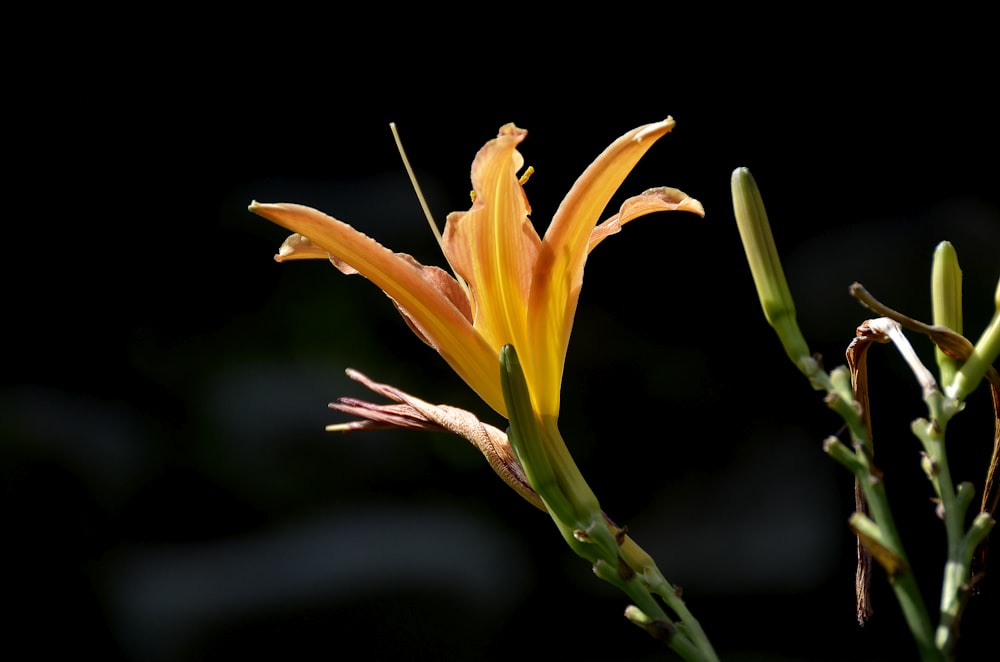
(663, 198)
(559, 271)
(493, 246)
(426, 304)
(297, 247)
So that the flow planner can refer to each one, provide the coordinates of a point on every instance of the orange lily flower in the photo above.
(510, 285)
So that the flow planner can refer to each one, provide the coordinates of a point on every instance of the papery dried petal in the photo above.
(414, 413)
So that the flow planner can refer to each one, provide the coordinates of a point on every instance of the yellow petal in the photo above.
(425, 303)
(493, 246)
(559, 271)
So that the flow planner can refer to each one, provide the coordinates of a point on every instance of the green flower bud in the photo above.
(765, 266)
(946, 297)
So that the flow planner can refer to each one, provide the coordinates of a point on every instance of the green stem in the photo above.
(953, 509)
(893, 559)
(687, 624)
(568, 499)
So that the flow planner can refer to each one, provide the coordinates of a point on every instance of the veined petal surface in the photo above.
(493, 246)
(425, 304)
(558, 271)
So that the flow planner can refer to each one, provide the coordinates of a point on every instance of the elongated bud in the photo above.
(946, 297)
(765, 266)
(984, 354)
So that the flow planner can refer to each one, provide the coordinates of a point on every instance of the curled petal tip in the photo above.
(262, 208)
(692, 205)
(680, 201)
(297, 247)
(668, 198)
(656, 129)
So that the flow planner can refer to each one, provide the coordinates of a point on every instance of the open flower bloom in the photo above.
(510, 285)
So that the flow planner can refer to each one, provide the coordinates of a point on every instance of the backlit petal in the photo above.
(440, 322)
(493, 246)
(559, 271)
(663, 198)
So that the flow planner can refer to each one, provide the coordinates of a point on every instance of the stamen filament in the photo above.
(423, 203)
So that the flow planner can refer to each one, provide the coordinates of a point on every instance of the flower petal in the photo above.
(297, 247)
(425, 303)
(663, 198)
(493, 246)
(415, 413)
(558, 272)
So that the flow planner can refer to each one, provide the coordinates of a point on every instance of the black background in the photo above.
(168, 491)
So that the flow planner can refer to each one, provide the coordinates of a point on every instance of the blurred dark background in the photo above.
(167, 489)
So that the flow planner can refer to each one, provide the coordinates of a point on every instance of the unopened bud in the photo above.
(946, 297)
(765, 266)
